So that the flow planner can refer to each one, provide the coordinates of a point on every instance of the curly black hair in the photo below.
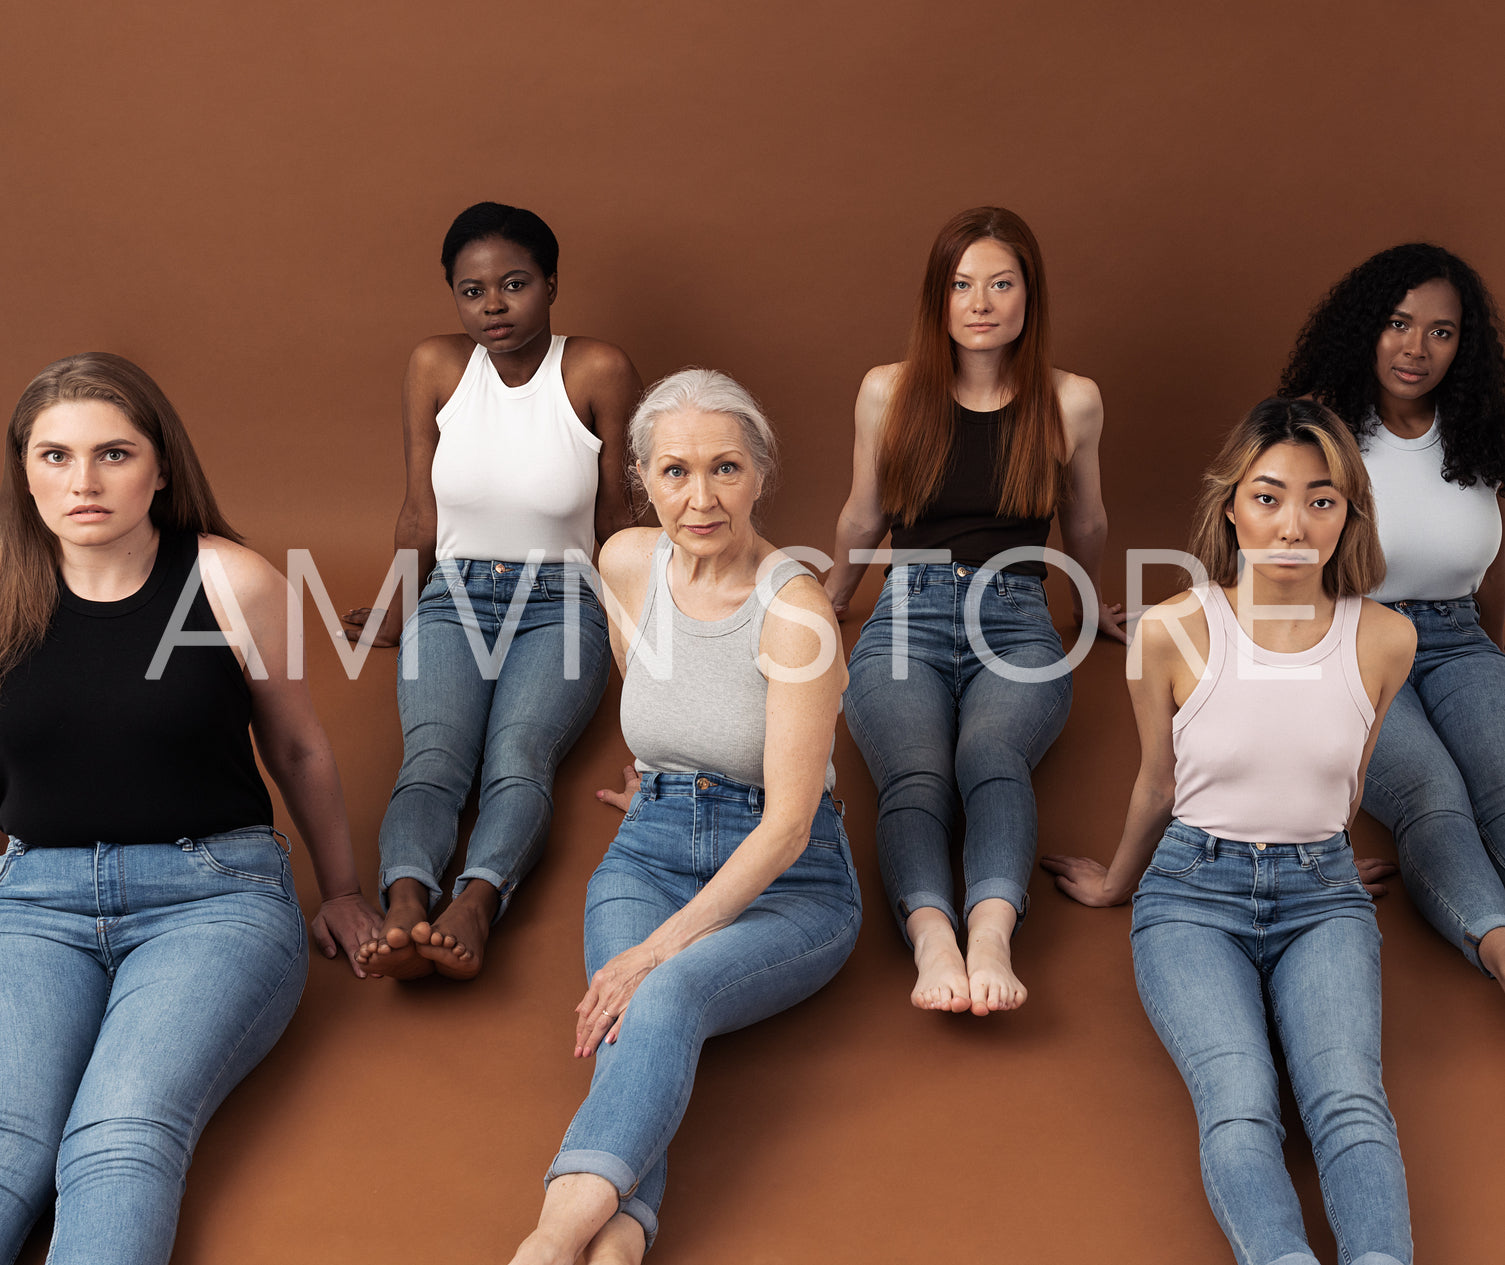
(1334, 357)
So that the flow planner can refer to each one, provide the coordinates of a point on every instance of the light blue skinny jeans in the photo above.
(679, 830)
(940, 728)
(138, 984)
(1221, 931)
(501, 667)
(1436, 779)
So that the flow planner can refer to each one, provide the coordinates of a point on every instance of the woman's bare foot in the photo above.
(393, 953)
(1492, 954)
(990, 968)
(455, 942)
(942, 981)
(619, 1242)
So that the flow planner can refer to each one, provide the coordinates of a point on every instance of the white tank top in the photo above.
(1268, 745)
(1438, 538)
(515, 471)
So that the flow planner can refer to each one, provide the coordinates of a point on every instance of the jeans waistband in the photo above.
(268, 834)
(1450, 604)
(917, 575)
(467, 567)
(1212, 844)
(705, 785)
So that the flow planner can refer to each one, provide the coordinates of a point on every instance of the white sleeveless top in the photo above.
(1438, 538)
(693, 697)
(515, 472)
(1268, 745)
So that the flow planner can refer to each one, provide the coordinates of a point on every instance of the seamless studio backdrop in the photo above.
(249, 202)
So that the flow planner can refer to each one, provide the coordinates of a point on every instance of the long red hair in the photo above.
(916, 441)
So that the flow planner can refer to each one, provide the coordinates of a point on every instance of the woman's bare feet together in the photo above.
(991, 981)
(393, 952)
(942, 982)
(455, 942)
(619, 1242)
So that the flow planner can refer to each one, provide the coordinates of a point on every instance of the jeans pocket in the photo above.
(634, 806)
(252, 858)
(1335, 869)
(1176, 859)
(6, 857)
(1029, 602)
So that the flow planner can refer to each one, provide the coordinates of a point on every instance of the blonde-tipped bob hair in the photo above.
(1357, 564)
(702, 391)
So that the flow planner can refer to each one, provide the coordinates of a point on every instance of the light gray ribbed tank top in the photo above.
(693, 699)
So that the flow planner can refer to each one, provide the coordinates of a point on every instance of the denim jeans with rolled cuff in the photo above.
(942, 727)
(1224, 931)
(514, 718)
(1436, 779)
(679, 830)
(140, 984)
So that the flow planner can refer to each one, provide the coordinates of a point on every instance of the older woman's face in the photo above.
(701, 479)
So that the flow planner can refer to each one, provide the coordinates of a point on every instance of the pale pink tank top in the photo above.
(1268, 745)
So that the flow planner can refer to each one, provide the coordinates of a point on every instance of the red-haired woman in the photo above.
(966, 450)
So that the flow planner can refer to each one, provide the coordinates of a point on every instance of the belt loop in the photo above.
(286, 843)
(1212, 847)
(648, 787)
(186, 844)
(755, 798)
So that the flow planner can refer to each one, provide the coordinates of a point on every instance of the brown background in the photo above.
(249, 201)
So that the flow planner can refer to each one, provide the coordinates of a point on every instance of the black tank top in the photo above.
(91, 751)
(964, 515)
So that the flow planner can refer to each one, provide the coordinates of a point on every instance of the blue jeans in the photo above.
(515, 716)
(1223, 929)
(952, 726)
(138, 985)
(1436, 779)
(679, 830)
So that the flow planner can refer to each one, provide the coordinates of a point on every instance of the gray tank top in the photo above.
(693, 697)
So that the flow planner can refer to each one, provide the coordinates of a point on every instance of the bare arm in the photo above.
(1154, 794)
(862, 522)
(1084, 521)
(604, 386)
(434, 371)
(291, 741)
(800, 717)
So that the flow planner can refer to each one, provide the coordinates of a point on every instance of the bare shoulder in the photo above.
(805, 592)
(1182, 614)
(873, 395)
(441, 355)
(628, 555)
(593, 360)
(256, 588)
(1385, 633)
(1081, 405)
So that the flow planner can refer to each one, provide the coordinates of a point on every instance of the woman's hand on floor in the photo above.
(1081, 878)
(1372, 870)
(611, 988)
(346, 922)
(631, 780)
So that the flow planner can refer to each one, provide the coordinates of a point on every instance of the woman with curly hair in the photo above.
(967, 450)
(1406, 350)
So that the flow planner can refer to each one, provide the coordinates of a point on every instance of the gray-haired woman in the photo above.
(728, 894)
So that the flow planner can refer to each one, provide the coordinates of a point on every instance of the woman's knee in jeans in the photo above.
(125, 1148)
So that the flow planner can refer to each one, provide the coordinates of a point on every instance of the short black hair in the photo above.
(511, 223)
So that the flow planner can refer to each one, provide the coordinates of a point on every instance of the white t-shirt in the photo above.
(1438, 538)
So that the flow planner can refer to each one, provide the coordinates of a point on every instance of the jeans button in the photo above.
(703, 783)
(962, 573)
(500, 567)
(1261, 846)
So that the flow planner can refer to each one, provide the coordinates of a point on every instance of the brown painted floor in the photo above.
(403, 1123)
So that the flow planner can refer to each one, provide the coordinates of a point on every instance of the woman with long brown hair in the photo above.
(967, 449)
(151, 940)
